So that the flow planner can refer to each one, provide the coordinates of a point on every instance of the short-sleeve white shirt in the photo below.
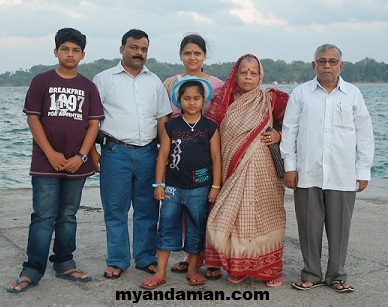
(132, 105)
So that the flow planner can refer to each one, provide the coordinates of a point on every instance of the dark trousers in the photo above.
(316, 208)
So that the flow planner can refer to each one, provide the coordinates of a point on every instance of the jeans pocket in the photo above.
(110, 147)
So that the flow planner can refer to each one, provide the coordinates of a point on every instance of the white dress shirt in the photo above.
(132, 105)
(327, 138)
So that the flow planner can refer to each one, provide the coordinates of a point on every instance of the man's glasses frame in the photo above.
(322, 62)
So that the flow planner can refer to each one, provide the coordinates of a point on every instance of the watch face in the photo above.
(83, 157)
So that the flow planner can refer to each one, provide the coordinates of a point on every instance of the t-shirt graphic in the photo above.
(66, 102)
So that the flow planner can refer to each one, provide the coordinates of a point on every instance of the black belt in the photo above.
(112, 139)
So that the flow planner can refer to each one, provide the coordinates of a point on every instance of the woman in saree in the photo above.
(246, 227)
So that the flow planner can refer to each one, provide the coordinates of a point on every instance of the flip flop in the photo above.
(181, 263)
(195, 279)
(234, 279)
(299, 286)
(29, 283)
(211, 271)
(158, 281)
(72, 278)
(146, 268)
(341, 283)
(113, 276)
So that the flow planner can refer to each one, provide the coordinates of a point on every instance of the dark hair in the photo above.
(187, 84)
(194, 39)
(134, 33)
(70, 35)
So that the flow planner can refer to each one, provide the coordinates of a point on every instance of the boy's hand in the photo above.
(95, 155)
(57, 160)
(73, 164)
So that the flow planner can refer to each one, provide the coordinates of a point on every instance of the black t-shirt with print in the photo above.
(189, 163)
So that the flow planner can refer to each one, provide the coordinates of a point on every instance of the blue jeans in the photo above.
(55, 202)
(126, 177)
(194, 203)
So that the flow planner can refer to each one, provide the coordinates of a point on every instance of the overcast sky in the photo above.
(286, 30)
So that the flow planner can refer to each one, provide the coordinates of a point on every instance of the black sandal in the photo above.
(147, 269)
(341, 283)
(298, 286)
(181, 263)
(211, 271)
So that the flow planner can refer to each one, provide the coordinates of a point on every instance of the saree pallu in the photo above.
(246, 227)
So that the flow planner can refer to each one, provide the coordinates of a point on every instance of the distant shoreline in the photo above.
(263, 85)
(366, 70)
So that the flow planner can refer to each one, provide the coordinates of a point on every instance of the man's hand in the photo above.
(291, 179)
(362, 184)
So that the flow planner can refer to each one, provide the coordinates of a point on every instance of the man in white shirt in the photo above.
(136, 106)
(328, 147)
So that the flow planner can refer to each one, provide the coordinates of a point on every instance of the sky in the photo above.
(287, 30)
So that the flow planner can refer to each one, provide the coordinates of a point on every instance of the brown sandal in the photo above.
(111, 275)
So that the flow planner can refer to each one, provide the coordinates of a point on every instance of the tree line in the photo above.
(367, 70)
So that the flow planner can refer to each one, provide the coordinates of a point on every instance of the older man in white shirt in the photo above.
(328, 147)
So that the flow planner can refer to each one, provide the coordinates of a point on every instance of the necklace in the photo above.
(192, 126)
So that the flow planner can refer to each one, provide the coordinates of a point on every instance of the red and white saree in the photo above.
(246, 227)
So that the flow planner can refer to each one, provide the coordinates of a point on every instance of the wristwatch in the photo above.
(82, 156)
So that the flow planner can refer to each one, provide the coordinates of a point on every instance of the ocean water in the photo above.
(16, 140)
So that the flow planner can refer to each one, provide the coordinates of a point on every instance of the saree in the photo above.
(246, 226)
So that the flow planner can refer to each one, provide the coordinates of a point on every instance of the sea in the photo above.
(16, 140)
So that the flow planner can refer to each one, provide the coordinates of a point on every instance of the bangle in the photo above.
(216, 187)
(162, 184)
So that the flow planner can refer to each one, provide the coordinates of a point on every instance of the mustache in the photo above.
(138, 57)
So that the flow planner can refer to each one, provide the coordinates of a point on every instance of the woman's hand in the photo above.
(213, 193)
(271, 136)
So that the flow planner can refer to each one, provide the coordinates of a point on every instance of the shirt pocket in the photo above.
(150, 101)
(343, 116)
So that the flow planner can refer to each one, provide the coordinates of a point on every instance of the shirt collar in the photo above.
(341, 85)
(119, 69)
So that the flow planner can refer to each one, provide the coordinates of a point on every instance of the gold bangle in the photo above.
(216, 187)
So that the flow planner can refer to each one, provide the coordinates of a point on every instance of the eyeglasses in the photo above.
(322, 62)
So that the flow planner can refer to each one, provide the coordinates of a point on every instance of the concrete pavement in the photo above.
(367, 261)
